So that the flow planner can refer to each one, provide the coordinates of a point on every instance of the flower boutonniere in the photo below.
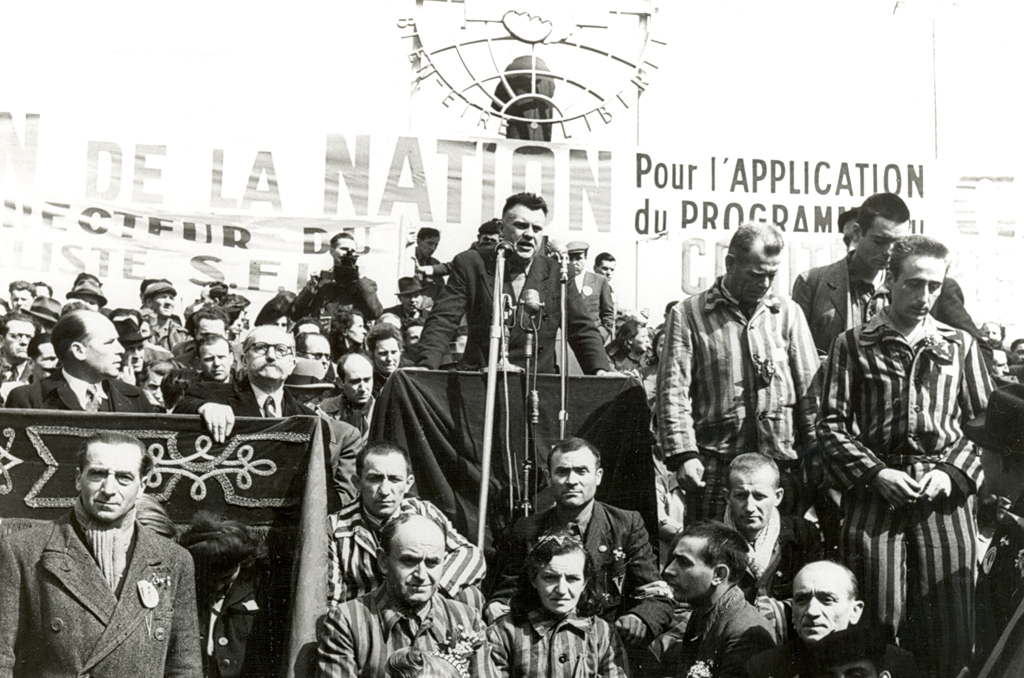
(701, 669)
(462, 645)
(160, 579)
(618, 553)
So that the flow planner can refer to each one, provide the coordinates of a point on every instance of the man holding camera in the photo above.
(339, 286)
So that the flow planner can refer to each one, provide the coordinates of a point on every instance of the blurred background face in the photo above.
(357, 381)
(21, 300)
(152, 388)
(356, 332)
(687, 573)
(522, 227)
(560, 583)
(15, 342)
(606, 268)
(874, 243)
(425, 247)
(215, 362)
(642, 341)
(822, 603)
(412, 334)
(344, 252)
(1000, 364)
(109, 481)
(272, 367)
(916, 289)
(574, 477)
(386, 356)
(753, 497)
(99, 352)
(577, 263)
(208, 326)
(383, 483)
(748, 278)
(413, 567)
(318, 348)
(163, 304)
(45, 364)
(135, 355)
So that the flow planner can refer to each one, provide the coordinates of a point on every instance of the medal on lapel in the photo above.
(148, 594)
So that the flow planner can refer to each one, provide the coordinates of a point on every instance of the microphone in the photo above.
(506, 247)
(556, 249)
(530, 307)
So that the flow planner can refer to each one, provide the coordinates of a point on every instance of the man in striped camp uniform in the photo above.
(735, 376)
(406, 610)
(897, 392)
(383, 477)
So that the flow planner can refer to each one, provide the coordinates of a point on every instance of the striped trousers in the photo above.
(915, 565)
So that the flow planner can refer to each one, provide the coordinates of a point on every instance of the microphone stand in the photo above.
(531, 324)
(496, 337)
(563, 413)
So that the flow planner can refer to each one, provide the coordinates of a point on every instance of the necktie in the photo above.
(270, 408)
(92, 400)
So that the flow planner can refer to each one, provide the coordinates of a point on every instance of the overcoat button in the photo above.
(563, 658)
(222, 641)
(159, 634)
(57, 625)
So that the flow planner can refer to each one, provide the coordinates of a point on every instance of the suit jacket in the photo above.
(823, 293)
(60, 617)
(54, 393)
(597, 297)
(469, 293)
(790, 660)
(238, 395)
(624, 561)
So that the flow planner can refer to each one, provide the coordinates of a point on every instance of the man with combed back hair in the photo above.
(735, 375)
(898, 390)
(95, 591)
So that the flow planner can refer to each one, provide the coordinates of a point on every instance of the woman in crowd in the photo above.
(550, 629)
(628, 350)
(231, 583)
(348, 331)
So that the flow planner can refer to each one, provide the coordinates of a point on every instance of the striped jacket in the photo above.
(352, 554)
(359, 636)
(539, 645)
(728, 385)
(887, 404)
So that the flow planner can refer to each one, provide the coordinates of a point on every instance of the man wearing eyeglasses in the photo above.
(268, 358)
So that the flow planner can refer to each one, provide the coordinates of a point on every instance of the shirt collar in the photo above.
(543, 622)
(261, 396)
(81, 388)
(718, 294)
(933, 333)
(583, 520)
(427, 618)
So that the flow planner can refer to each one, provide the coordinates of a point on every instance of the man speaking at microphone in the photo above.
(532, 282)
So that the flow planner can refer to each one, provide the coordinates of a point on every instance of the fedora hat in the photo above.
(87, 289)
(308, 375)
(409, 286)
(128, 332)
(46, 311)
(1001, 428)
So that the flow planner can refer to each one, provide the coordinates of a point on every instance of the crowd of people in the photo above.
(839, 471)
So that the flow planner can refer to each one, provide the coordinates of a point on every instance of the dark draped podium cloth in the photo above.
(439, 418)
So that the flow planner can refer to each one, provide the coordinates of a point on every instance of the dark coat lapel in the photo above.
(57, 390)
(67, 559)
(129, 611)
(838, 283)
(597, 530)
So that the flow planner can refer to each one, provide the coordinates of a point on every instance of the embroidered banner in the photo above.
(256, 473)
